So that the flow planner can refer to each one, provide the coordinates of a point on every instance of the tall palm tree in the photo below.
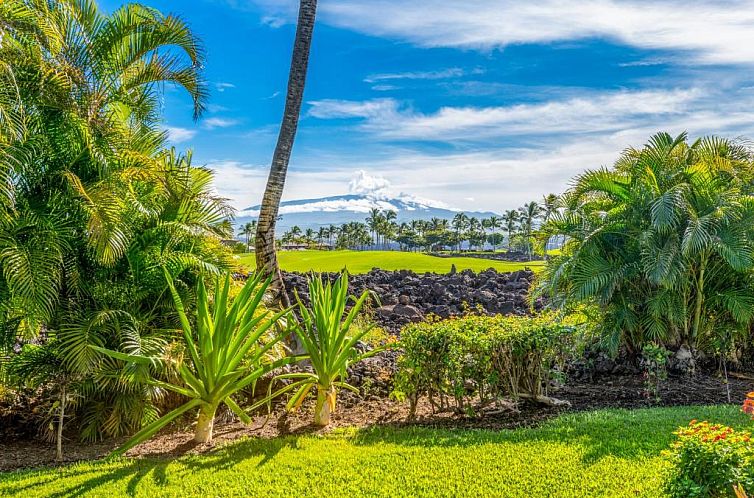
(550, 203)
(249, 230)
(388, 226)
(511, 221)
(374, 222)
(332, 231)
(265, 240)
(309, 235)
(530, 213)
(493, 223)
(460, 223)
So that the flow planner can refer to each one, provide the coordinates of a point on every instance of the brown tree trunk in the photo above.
(61, 419)
(265, 239)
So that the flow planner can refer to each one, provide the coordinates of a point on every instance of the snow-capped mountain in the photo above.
(336, 210)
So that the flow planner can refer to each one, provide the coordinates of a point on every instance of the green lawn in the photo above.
(608, 453)
(363, 261)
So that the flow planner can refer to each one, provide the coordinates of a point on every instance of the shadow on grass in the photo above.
(625, 434)
(98, 474)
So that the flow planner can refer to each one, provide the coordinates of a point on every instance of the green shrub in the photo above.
(710, 460)
(488, 356)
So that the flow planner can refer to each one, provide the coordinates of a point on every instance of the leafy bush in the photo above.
(710, 461)
(491, 356)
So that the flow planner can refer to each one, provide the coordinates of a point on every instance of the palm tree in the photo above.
(511, 220)
(295, 232)
(388, 226)
(332, 231)
(265, 239)
(309, 235)
(460, 223)
(662, 242)
(493, 223)
(249, 230)
(374, 222)
(530, 213)
(75, 161)
(550, 203)
(92, 203)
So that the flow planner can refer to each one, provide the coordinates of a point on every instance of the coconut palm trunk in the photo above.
(265, 240)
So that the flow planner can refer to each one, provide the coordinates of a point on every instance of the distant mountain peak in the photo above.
(339, 209)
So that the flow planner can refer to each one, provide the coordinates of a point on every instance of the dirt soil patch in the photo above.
(606, 392)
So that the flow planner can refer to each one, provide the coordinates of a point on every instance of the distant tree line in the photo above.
(514, 230)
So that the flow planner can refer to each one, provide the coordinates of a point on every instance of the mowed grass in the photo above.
(608, 453)
(363, 261)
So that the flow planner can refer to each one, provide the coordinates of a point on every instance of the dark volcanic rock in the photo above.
(404, 297)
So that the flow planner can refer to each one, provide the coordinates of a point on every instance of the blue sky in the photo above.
(475, 104)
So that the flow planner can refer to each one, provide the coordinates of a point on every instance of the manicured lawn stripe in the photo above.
(363, 261)
(605, 453)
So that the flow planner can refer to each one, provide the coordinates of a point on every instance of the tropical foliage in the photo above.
(93, 204)
(329, 338)
(662, 242)
(230, 348)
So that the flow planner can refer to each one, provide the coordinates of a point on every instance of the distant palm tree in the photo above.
(388, 226)
(265, 239)
(530, 213)
(493, 223)
(332, 231)
(249, 230)
(460, 222)
(550, 202)
(309, 236)
(374, 220)
(511, 219)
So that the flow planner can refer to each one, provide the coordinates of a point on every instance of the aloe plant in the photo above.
(324, 331)
(229, 350)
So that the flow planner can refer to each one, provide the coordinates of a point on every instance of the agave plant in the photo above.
(229, 350)
(324, 333)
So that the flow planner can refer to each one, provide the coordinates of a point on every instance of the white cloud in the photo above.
(554, 140)
(384, 88)
(221, 86)
(338, 109)
(603, 112)
(364, 183)
(212, 123)
(702, 31)
(239, 182)
(452, 72)
(178, 135)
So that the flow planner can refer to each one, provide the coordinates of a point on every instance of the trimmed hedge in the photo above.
(489, 356)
